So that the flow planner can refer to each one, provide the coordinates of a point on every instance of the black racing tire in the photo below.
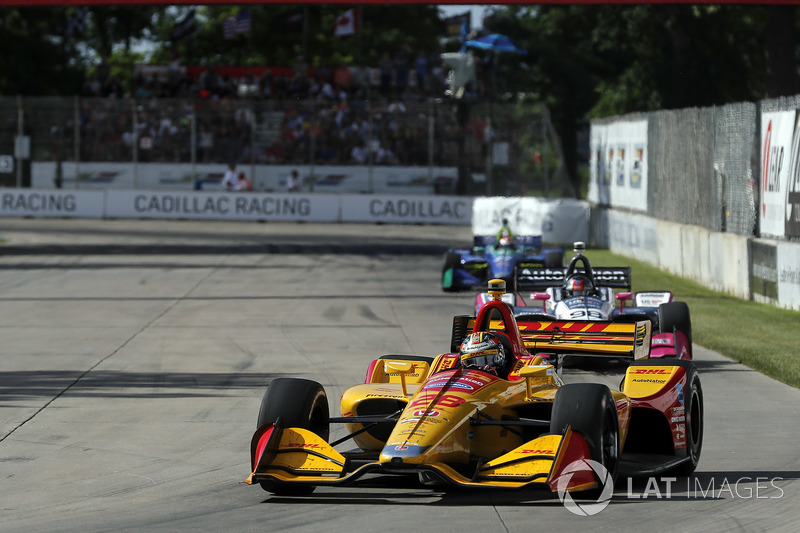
(590, 409)
(693, 406)
(298, 403)
(675, 315)
(451, 260)
(554, 259)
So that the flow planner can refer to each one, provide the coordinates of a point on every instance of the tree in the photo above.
(593, 61)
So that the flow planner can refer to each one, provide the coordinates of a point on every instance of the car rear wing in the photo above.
(588, 338)
(528, 241)
(542, 335)
(541, 278)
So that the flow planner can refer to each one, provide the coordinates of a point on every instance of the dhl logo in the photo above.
(660, 371)
(537, 452)
(570, 327)
(303, 445)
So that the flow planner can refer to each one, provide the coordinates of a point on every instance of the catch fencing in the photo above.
(498, 148)
(693, 166)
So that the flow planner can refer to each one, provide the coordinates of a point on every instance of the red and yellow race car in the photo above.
(491, 413)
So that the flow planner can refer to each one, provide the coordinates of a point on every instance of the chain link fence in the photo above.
(701, 167)
(503, 149)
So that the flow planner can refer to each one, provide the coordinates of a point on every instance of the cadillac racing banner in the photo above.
(412, 209)
(223, 205)
(51, 203)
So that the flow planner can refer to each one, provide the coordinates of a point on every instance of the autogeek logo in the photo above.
(743, 488)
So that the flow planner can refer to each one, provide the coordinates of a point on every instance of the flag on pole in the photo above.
(233, 26)
(347, 23)
(184, 28)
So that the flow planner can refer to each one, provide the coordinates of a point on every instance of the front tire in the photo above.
(298, 403)
(590, 409)
(693, 402)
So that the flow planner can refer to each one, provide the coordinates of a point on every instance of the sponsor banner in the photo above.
(618, 165)
(788, 275)
(407, 209)
(51, 203)
(777, 129)
(223, 206)
(557, 221)
(792, 202)
(265, 178)
(764, 276)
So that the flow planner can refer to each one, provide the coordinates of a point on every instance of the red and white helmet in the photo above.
(579, 285)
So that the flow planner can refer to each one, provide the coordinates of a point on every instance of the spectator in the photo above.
(386, 68)
(359, 153)
(244, 184)
(401, 59)
(230, 181)
(293, 183)
(421, 68)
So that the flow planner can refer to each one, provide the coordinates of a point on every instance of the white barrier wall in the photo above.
(719, 261)
(338, 179)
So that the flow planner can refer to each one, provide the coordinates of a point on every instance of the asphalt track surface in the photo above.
(135, 354)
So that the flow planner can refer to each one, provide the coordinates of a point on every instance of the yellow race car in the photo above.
(490, 413)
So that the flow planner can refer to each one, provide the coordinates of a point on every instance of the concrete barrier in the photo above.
(763, 270)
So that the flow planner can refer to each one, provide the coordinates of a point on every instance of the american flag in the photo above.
(233, 26)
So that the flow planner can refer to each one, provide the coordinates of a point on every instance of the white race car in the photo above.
(580, 292)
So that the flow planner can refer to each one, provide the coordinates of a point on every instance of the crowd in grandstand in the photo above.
(290, 115)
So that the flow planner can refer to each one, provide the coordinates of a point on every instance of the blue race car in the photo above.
(495, 257)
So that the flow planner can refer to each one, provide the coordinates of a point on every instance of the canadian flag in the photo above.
(347, 23)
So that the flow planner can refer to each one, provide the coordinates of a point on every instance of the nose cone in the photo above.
(400, 454)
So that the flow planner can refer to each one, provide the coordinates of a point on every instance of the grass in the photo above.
(760, 336)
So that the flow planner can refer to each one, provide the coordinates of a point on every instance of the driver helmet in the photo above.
(507, 241)
(483, 351)
(579, 286)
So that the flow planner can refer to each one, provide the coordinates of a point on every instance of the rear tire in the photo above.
(299, 403)
(675, 315)
(451, 261)
(590, 409)
(554, 259)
